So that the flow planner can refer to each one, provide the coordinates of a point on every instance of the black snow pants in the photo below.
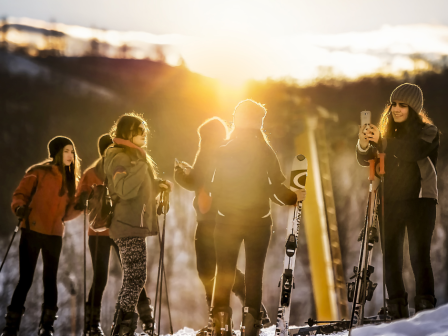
(228, 239)
(101, 268)
(206, 261)
(31, 243)
(418, 216)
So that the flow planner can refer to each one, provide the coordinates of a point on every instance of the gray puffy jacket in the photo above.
(133, 189)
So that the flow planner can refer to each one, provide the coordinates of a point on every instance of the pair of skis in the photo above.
(286, 284)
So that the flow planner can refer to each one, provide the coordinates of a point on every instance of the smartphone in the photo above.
(365, 117)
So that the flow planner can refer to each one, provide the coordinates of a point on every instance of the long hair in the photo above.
(70, 174)
(387, 122)
(212, 133)
(126, 128)
(255, 111)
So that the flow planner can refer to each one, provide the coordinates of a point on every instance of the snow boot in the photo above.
(251, 324)
(146, 311)
(93, 325)
(13, 318)
(398, 308)
(222, 321)
(239, 289)
(424, 302)
(128, 324)
(47, 320)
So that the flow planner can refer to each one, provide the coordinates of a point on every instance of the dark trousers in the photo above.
(101, 268)
(418, 216)
(31, 243)
(228, 239)
(206, 261)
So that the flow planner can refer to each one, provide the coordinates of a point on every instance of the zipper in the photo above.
(143, 212)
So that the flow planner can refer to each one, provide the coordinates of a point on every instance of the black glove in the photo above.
(21, 211)
(81, 205)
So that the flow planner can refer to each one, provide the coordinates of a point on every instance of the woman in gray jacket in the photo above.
(132, 181)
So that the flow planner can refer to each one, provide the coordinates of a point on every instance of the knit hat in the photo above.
(410, 94)
(104, 141)
(58, 143)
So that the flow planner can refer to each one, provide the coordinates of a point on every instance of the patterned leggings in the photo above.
(133, 256)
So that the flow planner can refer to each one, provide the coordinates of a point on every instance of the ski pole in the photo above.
(382, 156)
(10, 243)
(364, 251)
(85, 265)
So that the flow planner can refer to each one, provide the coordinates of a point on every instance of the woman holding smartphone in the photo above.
(246, 177)
(411, 142)
(41, 201)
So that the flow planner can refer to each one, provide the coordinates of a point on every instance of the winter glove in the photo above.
(21, 211)
(165, 185)
(81, 205)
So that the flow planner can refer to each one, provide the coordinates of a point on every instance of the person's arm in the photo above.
(279, 193)
(184, 179)
(126, 177)
(77, 204)
(22, 195)
(413, 150)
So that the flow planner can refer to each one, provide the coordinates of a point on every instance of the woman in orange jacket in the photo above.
(41, 201)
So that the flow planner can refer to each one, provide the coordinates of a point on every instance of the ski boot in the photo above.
(93, 325)
(239, 289)
(222, 321)
(13, 318)
(145, 310)
(125, 324)
(424, 302)
(46, 321)
(251, 324)
(397, 308)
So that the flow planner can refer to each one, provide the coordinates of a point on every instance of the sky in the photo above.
(239, 40)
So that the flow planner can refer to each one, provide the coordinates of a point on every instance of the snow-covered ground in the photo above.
(428, 323)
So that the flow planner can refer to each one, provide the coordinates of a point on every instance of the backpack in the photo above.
(101, 207)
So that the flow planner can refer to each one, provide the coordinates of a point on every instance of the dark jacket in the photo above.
(246, 177)
(199, 181)
(39, 189)
(133, 190)
(411, 160)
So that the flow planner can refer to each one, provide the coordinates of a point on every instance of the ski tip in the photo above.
(300, 157)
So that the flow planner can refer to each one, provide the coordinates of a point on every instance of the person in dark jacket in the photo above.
(133, 186)
(212, 134)
(41, 201)
(411, 143)
(100, 245)
(246, 176)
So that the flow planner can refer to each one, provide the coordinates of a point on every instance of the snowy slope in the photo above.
(428, 323)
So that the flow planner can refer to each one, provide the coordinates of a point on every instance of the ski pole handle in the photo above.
(382, 156)
(371, 170)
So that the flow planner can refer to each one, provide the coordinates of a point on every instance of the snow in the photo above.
(427, 323)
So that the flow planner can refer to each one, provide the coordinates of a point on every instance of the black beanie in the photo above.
(58, 143)
(104, 141)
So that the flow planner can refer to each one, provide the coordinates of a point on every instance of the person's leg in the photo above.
(100, 267)
(420, 231)
(395, 219)
(228, 240)
(205, 256)
(51, 251)
(256, 242)
(133, 257)
(29, 248)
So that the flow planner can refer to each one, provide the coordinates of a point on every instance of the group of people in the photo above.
(235, 175)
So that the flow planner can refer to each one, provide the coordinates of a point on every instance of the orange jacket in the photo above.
(39, 189)
(88, 179)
